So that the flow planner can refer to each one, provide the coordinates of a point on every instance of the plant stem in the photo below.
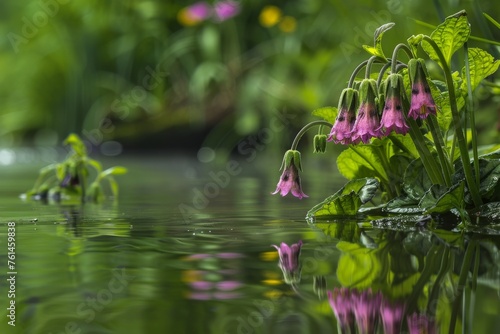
(471, 247)
(306, 127)
(434, 294)
(439, 144)
(428, 161)
(470, 112)
(457, 124)
(355, 72)
(473, 289)
(368, 68)
(398, 47)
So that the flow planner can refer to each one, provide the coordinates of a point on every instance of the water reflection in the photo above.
(219, 273)
(396, 281)
(213, 276)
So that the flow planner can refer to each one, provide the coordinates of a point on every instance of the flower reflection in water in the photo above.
(421, 324)
(217, 277)
(364, 310)
(289, 261)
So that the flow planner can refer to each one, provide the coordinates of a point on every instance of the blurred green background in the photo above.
(143, 74)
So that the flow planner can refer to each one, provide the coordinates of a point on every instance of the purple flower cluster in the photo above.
(359, 124)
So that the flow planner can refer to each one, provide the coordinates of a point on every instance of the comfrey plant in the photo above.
(70, 178)
(411, 138)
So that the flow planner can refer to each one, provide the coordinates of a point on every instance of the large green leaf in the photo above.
(327, 113)
(489, 175)
(416, 180)
(347, 200)
(342, 230)
(442, 99)
(358, 266)
(364, 161)
(399, 163)
(481, 64)
(405, 144)
(449, 36)
(441, 199)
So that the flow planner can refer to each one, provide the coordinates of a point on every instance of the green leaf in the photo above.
(114, 186)
(363, 161)
(327, 113)
(76, 144)
(441, 199)
(405, 144)
(347, 200)
(492, 155)
(416, 180)
(489, 212)
(442, 100)
(94, 163)
(414, 41)
(399, 163)
(449, 36)
(489, 175)
(117, 170)
(482, 64)
(403, 205)
(358, 266)
(343, 230)
(377, 50)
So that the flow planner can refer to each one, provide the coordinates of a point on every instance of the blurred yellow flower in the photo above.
(187, 20)
(288, 24)
(269, 16)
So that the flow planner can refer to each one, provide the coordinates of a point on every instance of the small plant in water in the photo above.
(71, 178)
(409, 133)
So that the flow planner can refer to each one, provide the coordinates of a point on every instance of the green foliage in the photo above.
(427, 171)
(449, 36)
(482, 64)
(440, 199)
(347, 200)
(326, 113)
(70, 181)
(377, 49)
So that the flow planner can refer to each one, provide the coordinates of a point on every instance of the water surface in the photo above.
(188, 250)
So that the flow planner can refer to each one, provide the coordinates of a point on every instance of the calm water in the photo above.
(188, 250)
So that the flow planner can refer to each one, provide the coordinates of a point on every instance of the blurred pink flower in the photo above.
(199, 11)
(226, 9)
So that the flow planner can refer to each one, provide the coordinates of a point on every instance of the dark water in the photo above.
(188, 250)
